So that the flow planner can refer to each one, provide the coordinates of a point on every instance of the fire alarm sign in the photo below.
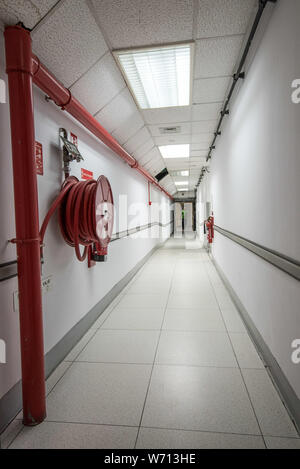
(74, 139)
(86, 174)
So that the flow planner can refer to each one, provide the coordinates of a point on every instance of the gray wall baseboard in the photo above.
(287, 393)
(11, 402)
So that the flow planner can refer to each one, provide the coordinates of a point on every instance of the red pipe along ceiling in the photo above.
(64, 99)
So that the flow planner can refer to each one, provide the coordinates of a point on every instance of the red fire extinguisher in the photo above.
(210, 229)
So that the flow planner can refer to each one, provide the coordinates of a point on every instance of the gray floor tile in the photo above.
(206, 319)
(192, 300)
(10, 433)
(117, 346)
(282, 443)
(195, 348)
(150, 287)
(132, 319)
(192, 398)
(144, 300)
(56, 375)
(100, 393)
(271, 413)
(245, 351)
(179, 439)
(184, 288)
(50, 435)
(233, 320)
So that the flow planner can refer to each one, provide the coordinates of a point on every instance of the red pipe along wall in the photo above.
(23, 69)
(64, 99)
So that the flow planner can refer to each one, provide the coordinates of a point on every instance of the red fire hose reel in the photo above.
(86, 216)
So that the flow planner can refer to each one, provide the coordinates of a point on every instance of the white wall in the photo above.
(254, 186)
(76, 289)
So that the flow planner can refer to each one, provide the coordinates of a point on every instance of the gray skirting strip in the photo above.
(287, 393)
(11, 402)
(8, 270)
(282, 262)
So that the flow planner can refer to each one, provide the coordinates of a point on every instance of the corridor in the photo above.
(169, 364)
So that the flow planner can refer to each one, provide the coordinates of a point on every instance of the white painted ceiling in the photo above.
(75, 40)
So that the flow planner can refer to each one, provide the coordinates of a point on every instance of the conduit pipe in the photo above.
(237, 76)
(19, 70)
(63, 98)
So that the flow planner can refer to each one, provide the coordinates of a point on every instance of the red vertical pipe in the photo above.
(19, 69)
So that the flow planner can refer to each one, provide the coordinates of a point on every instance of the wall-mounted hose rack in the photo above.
(240, 74)
(86, 215)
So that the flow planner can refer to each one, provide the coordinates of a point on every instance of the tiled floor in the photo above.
(168, 365)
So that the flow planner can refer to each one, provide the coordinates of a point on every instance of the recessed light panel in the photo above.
(159, 76)
(175, 151)
(181, 183)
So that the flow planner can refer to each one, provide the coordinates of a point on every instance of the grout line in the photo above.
(109, 102)
(89, 68)
(220, 37)
(240, 370)
(13, 439)
(154, 358)
(182, 365)
(165, 428)
(48, 15)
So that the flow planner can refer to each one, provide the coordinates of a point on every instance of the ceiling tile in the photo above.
(110, 116)
(129, 128)
(207, 90)
(154, 154)
(143, 149)
(29, 12)
(204, 126)
(220, 18)
(195, 146)
(155, 166)
(217, 56)
(202, 138)
(147, 158)
(204, 146)
(177, 163)
(69, 42)
(202, 153)
(99, 85)
(129, 23)
(185, 129)
(200, 159)
(206, 111)
(137, 139)
(172, 139)
(167, 115)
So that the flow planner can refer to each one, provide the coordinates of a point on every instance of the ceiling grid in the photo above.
(76, 40)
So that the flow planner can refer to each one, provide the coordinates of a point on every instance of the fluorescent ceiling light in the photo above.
(184, 173)
(175, 151)
(181, 183)
(158, 76)
(183, 189)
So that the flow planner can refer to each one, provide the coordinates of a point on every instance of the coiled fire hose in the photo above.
(86, 214)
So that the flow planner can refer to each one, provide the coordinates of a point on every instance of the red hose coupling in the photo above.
(99, 253)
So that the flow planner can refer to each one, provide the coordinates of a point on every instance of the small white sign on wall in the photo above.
(2, 351)
(2, 91)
